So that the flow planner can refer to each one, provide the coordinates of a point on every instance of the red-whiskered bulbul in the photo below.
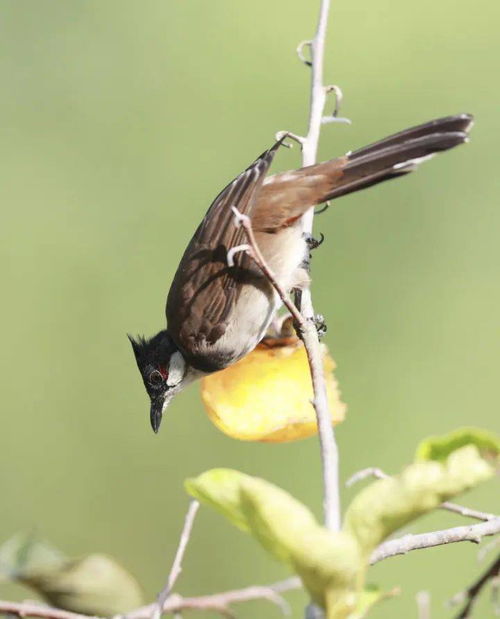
(216, 314)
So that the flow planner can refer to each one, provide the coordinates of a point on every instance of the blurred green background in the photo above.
(120, 122)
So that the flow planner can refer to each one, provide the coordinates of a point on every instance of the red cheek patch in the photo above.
(163, 371)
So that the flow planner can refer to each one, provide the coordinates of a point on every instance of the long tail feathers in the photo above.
(447, 124)
(286, 196)
(399, 154)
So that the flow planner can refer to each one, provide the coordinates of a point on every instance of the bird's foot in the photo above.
(320, 324)
(312, 242)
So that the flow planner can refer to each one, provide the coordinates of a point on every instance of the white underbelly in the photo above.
(256, 307)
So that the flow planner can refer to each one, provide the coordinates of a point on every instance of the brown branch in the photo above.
(447, 505)
(473, 533)
(218, 602)
(469, 596)
(177, 564)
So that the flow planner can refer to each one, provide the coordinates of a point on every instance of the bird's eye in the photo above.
(155, 378)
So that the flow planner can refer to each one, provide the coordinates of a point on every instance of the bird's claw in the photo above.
(282, 135)
(320, 324)
(313, 243)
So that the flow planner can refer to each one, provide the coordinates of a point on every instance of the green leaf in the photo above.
(94, 585)
(24, 553)
(328, 563)
(220, 488)
(388, 504)
(253, 505)
(331, 565)
(440, 447)
(370, 597)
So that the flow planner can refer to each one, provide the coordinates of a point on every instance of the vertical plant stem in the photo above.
(329, 450)
(177, 564)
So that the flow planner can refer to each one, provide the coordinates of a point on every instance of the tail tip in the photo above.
(469, 119)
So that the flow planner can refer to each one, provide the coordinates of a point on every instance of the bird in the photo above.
(217, 310)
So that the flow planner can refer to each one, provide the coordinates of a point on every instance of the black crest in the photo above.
(154, 352)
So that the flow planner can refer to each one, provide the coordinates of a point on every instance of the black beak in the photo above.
(156, 413)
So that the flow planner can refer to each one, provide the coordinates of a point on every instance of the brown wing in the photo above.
(205, 289)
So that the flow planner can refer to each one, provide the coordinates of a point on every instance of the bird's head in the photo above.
(163, 369)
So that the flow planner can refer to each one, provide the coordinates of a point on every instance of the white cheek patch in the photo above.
(176, 369)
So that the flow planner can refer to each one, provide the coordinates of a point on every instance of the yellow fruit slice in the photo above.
(266, 396)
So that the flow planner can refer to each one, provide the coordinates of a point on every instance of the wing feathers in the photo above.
(205, 289)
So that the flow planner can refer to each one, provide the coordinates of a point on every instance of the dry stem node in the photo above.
(322, 209)
(282, 135)
(300, 52)
(339, 96)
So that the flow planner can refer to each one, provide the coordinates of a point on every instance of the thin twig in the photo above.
(495, 598)
(300, 52)
(473, 533)
(467, 511)
(371, 471)
(31, 609)
(423, 599)
(177, 564)
(487, 548)
(221, 602)
(252, 250)
(447, 505)
(218, 602)
(329, 450)
(469, 596)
